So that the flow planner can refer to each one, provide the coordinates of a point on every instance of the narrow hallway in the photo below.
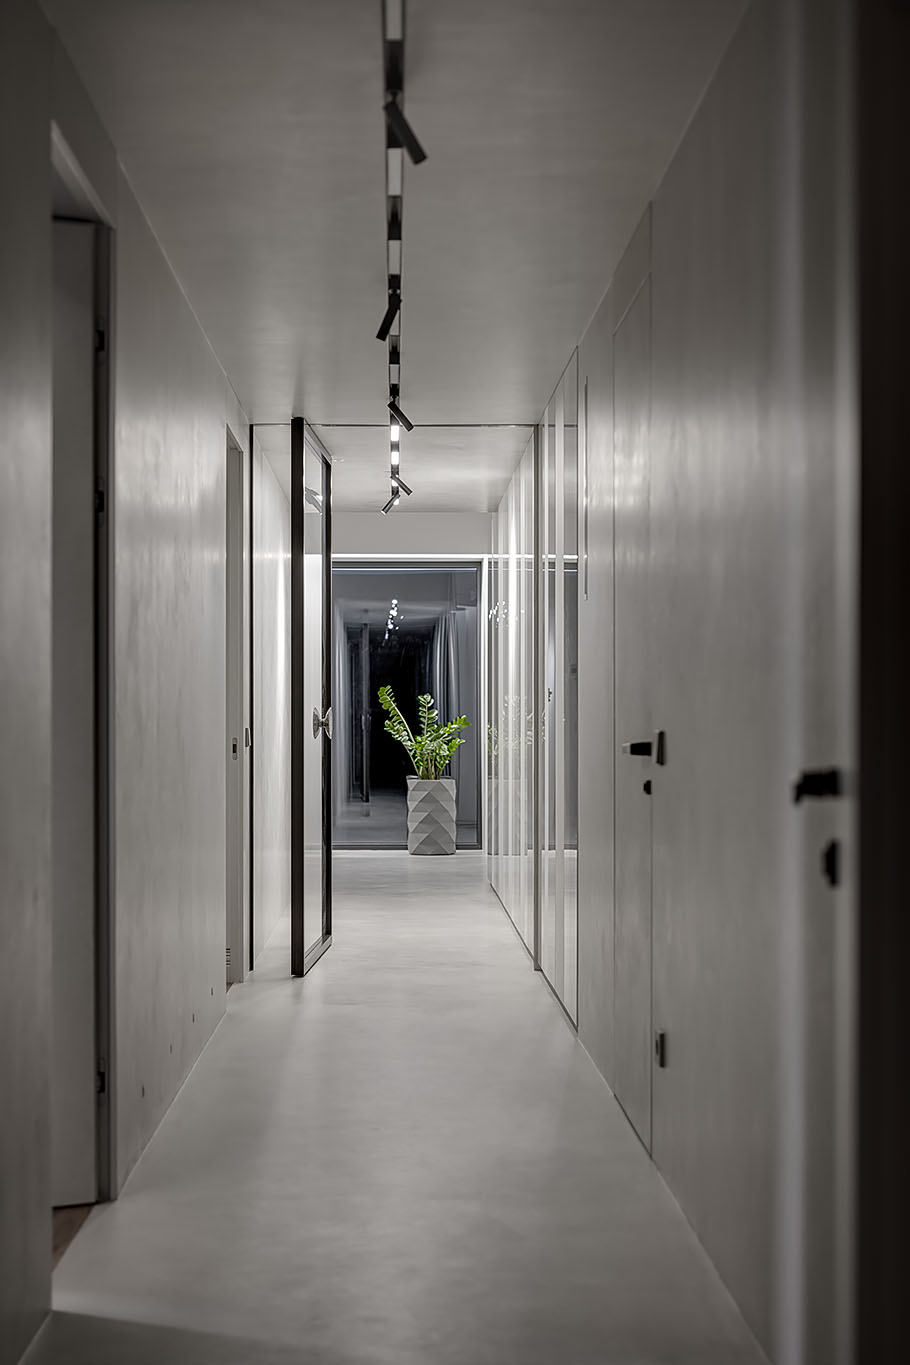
(407, 1157)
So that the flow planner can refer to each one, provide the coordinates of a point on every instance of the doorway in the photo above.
(79, 1074)
(413, 627)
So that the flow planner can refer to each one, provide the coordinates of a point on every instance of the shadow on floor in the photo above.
(74, 1339)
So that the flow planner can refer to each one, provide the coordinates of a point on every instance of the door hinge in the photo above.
(660, 1048)
(101, 1081)
(99, 500)
(100, 341)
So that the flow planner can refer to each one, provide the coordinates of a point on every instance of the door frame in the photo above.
(85, 206)
(301, 959)
(440, 564)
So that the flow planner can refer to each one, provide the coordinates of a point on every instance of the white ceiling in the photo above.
(454, 469)
(253, 136)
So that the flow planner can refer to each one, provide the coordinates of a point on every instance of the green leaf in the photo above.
(432, 748)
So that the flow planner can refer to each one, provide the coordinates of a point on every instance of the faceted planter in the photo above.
(431, 816)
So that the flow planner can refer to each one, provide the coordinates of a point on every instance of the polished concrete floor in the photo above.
(406, 1158)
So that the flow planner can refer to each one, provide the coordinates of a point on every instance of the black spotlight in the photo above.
(390, 315)
(398, 482)
(404, 132)
(393, 501)
(399, 416)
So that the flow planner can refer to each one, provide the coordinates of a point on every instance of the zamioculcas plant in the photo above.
(430, 749)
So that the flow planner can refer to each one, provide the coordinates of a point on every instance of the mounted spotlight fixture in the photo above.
(391, 314)
(403, 131)
(400, 138)
(399, 416)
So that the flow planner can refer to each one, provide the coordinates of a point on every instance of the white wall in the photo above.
(271, 701)
(404, 533)
(744, 660)
(172, 406)
(25, 680)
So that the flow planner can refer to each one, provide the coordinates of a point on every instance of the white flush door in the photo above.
(73, 1070)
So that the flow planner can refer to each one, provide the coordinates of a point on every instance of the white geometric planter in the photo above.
(431, 816)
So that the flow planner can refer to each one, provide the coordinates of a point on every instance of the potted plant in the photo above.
(431, 796)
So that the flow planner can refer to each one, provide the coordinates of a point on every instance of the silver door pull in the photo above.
(322, 723)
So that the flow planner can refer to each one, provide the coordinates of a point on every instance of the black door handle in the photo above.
(818, 783)
(642, 747)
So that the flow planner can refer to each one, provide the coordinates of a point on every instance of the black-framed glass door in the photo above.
(311, 699)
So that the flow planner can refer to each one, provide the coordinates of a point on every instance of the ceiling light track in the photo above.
(400, 139)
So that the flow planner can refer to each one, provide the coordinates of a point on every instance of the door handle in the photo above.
(818, 783)
(322, 723)
(643, 748)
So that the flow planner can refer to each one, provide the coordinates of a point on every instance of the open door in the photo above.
(311, 699)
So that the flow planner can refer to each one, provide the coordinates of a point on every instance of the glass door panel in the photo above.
(315, 702)
(312, 725)
(558, 699)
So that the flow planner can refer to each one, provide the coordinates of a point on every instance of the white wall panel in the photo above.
(172, 403)
(404, 533)
(25, 677)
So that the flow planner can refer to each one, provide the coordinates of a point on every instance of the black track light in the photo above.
(393, 501)
(399, 416)
(398, 482)
(404, 132)
(390, 315)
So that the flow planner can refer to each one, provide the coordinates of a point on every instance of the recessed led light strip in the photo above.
(400, 138)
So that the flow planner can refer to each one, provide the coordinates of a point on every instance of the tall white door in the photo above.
(634, 723)
(74, 1062)
(238, 736)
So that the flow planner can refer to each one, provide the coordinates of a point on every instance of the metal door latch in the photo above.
(642, 748)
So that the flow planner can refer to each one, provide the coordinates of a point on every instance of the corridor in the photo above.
(406, 1157)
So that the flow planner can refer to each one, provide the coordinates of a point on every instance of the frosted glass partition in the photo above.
(533, 673)
(510, 749)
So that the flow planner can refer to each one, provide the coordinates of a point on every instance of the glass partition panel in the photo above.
(533, 738)
(568, 989)
(510, 748)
